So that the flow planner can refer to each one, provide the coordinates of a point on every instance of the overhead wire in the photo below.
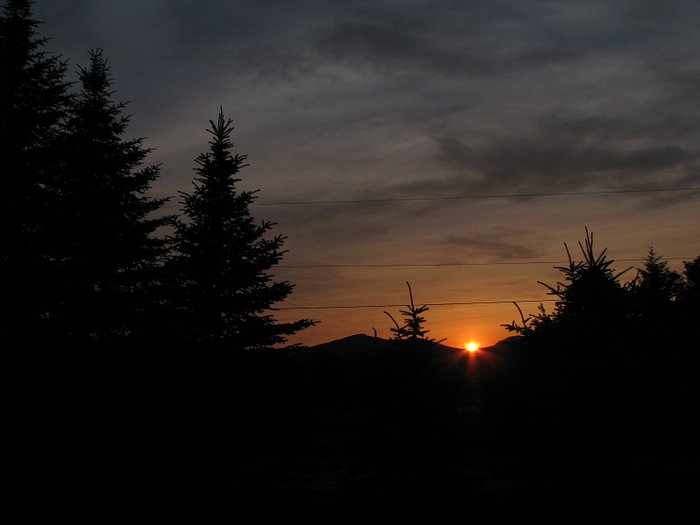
(474, 197)
(451, 303)
(440, 265)
(436, 265)
(468, 197)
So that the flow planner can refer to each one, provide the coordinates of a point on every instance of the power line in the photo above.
(473, 197)
(439, 265)
(465, 197)
(363, 306)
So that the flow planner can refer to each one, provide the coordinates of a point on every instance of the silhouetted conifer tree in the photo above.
(223, 260)
(109, 256)
(689, 295)
(591, 301)
(413, 329)
(654, 291)
(691, 273)
(33, 103)
(592, 295)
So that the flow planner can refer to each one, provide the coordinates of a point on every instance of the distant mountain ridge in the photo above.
(363, 348)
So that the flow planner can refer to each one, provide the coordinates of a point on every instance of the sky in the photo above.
(430, 116)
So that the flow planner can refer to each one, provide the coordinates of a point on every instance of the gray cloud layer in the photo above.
(477, 96)
(567, 154)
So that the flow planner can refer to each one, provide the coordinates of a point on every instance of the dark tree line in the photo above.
(608, 380)
(104, 293)
(34, 103)
(84, 254)
(594, 306)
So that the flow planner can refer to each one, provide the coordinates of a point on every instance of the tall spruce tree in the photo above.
(224, 258)
(654, 291)
(109, 254)
(33, 104)
(689, 295)
(691, 273)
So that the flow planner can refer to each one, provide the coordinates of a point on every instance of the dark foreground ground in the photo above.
(494, 433)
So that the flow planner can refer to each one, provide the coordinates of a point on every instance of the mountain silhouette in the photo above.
(354, 348)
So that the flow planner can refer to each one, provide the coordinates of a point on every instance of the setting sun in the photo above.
(472, 347)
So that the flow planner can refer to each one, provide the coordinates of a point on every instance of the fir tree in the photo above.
(109, 255)
(691, 274)
(689, 295)
(654, 291)
(33, 103)
(412, 331)
(592, 295)
(224, 258)
(591, 300)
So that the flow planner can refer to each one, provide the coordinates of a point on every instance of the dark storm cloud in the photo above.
(563, 153)
(478, 36)
(447, 38)
(351, 224)
(496, 37)
(283, 42)
(432, 45)
(490, 245)
(404, 40)
(680, 82)
(199, 39)
(500, 65)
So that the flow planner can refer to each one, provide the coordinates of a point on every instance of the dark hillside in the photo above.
(503, 430)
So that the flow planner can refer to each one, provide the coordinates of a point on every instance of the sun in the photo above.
(472, 347)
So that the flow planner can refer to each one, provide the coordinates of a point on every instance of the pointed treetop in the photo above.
(21, 9)
(221, 131)
(96, 78)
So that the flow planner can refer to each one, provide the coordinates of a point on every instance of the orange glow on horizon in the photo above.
(472, 346)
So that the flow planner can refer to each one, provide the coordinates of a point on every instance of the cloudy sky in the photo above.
(427, 114)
